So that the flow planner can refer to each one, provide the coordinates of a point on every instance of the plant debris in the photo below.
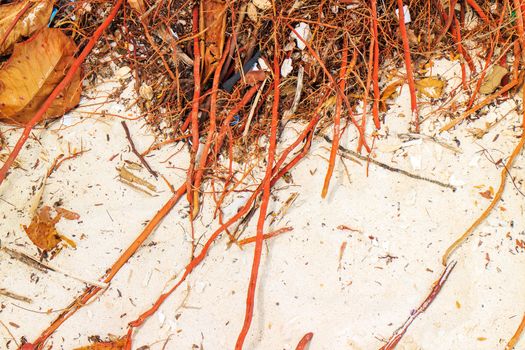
(223, 79)
(31, 16)
(32, 72)
(42, 229)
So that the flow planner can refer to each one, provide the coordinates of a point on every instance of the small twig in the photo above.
(398, 334)
(408, 64)
(337, 120)
(516, 337)
(391, 168)
(15, 296)
(10, 334)
(305, 340)
(137, 153)
(61, 159)
(42, 266)
(265, 236)
(252, 110)
(297, 98)
(495, 200)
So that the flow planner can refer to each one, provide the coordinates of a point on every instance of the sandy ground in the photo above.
(351, 300)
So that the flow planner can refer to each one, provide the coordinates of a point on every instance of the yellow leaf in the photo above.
(137, 5)
(388, 92)
(493, 80)
(36, 67)
(35, 18)
(430, 87)
(42, 231)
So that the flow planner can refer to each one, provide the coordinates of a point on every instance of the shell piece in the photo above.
(146, 92)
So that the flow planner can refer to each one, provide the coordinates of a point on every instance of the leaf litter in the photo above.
(42, 230)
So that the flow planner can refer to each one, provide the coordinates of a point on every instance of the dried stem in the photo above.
(250, 298)
(134, 150)
(305, 340)
(516, 337)
(400, 332)
(337, 119)
(408, 64)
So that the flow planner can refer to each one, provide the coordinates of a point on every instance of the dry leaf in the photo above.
(36, 67)
(35, 18)
(118, 344)
(213, 20)
(134, 181)
(255, 76)
(42, 231)
(251, 10)
(262, 4)
(430, 87)
(493, 80)
(388, 92)
(488, 194)
(137, 5)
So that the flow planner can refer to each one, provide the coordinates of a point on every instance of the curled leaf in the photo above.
(36, 67)
(388, 92)
(42, 231)
(430, 87)
(493, 80)
(137, 5)
(31, 20)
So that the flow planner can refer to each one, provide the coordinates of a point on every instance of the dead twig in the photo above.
(15, 296)
(137, 153)
(391, 168)
(398, 334)
(516, 337)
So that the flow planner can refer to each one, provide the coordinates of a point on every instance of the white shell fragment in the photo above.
(286, 67)
(146, 92)
(303, 30)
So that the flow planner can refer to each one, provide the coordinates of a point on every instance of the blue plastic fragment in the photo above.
(236, 120)
(52, 17)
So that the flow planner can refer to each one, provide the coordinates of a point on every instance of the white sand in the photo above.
(353, 304)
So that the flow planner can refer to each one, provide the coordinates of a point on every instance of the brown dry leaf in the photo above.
(213, 20)
(35, 18)
(255, 76)
(262, 4)
(67, 214)
(488, 194)
(118, 344)
(430, 87)
(388, 92)
(134, 181)
(36, 67)
(493, 80)
(137, 5)
(42, 231)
